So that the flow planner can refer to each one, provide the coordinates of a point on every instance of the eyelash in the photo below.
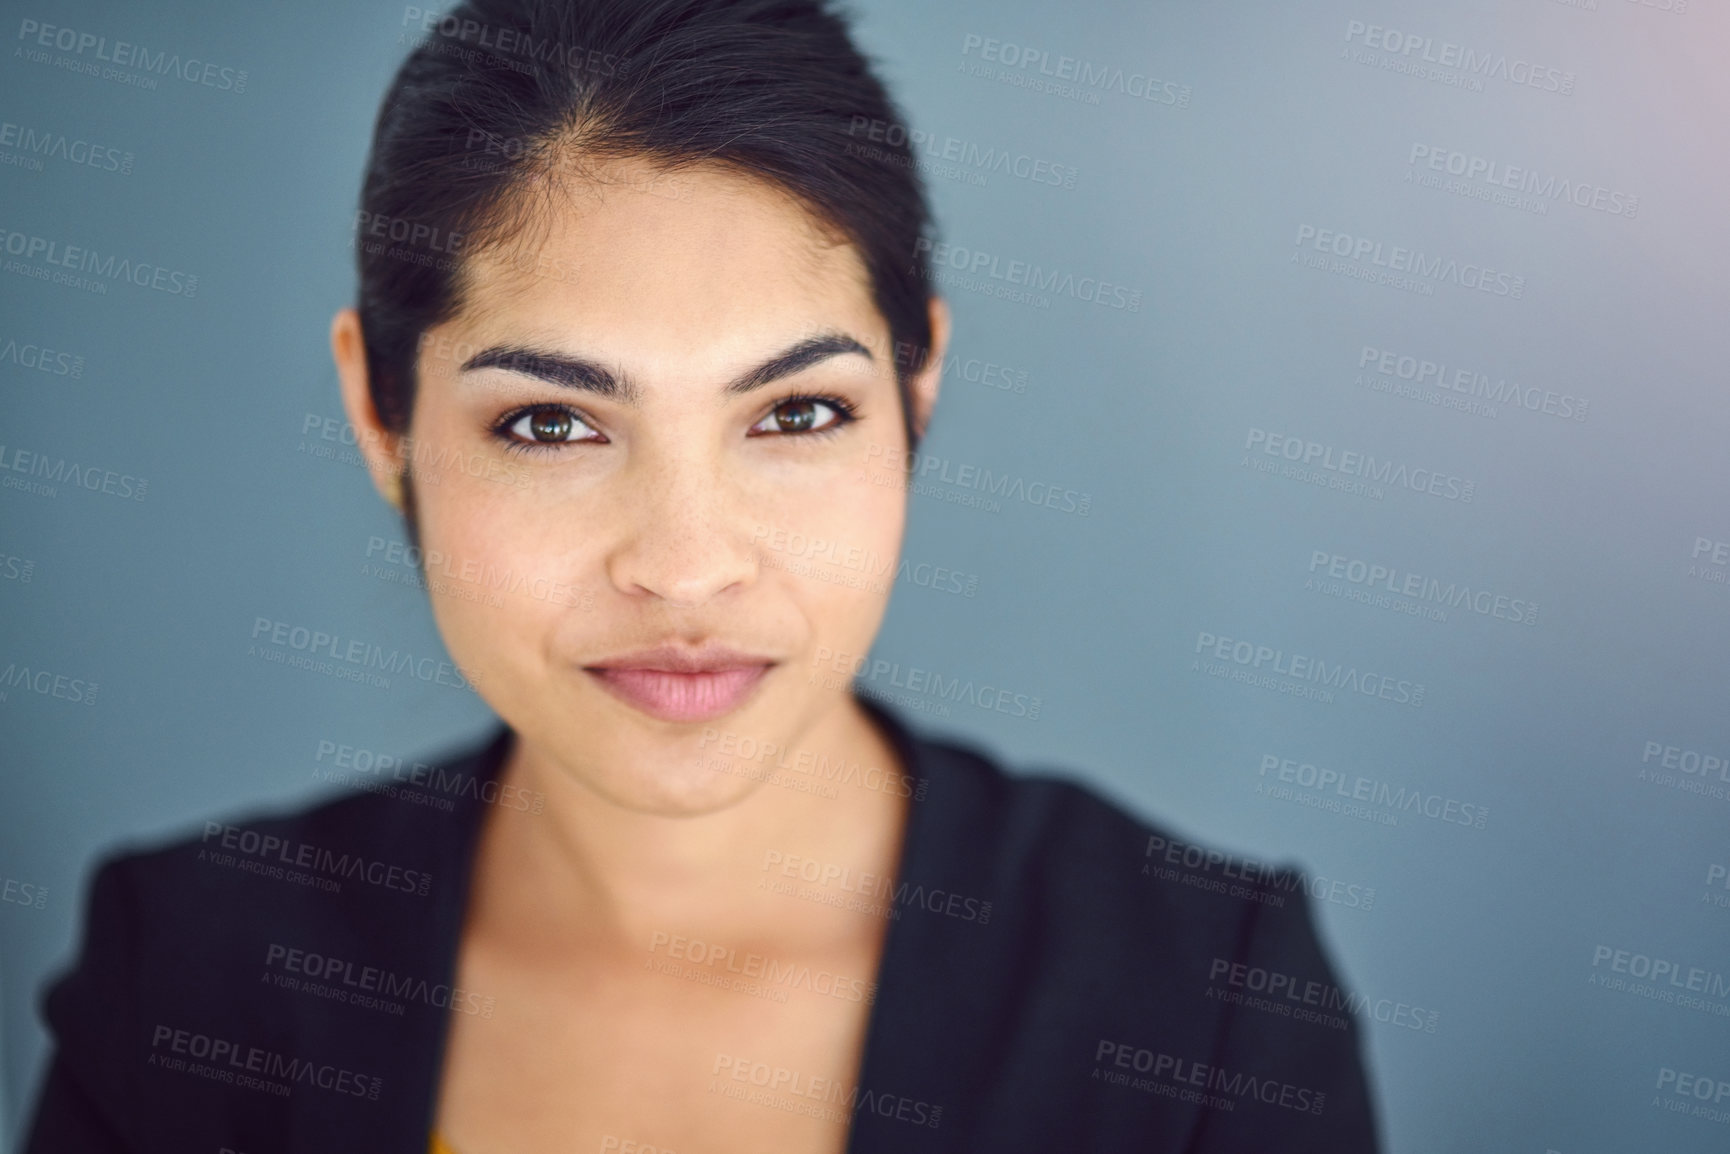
(501, 428)
(845, 414)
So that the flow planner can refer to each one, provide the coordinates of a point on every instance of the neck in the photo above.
(587, 868)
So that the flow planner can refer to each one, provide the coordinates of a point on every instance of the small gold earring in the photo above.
(393, 491)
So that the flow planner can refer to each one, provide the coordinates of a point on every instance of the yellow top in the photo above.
(439, 1147)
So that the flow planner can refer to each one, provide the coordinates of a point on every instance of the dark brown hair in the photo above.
(501, 93)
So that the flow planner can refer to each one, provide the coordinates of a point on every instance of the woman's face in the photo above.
(653, 402)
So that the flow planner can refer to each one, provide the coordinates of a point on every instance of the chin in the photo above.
(670, 784)
(648, 765)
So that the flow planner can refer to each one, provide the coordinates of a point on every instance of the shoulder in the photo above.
(380, 838)
(209, 938)
(385, 826)
(1087, 860)
(1136, 962)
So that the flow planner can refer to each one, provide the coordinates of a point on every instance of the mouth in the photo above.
(682, 684)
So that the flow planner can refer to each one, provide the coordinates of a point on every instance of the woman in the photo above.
(634, 313)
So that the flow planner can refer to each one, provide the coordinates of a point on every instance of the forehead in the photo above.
(698, 267)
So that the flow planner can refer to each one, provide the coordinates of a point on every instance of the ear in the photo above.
(922, 389)
(381, 447)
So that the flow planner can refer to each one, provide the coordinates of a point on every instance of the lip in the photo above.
(682, 683)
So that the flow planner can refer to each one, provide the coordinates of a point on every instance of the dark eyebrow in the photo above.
(801, 356)
(556, 369)
(578, 373)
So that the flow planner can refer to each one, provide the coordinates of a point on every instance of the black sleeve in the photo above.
(67, 1120)
(1295, 1081)
(92, 1013)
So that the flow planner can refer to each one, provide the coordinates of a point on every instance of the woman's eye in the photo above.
(549, 425)
(801, 415)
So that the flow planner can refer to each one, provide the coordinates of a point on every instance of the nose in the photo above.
(685, 538)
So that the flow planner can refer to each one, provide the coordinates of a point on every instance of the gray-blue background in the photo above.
(1288, 119)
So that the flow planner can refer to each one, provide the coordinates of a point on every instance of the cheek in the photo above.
(835, 551)
(499, 582)
(855, 500)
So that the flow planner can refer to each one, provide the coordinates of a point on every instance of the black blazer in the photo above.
(1059, 976)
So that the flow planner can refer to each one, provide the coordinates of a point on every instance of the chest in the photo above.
(683, 1048)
